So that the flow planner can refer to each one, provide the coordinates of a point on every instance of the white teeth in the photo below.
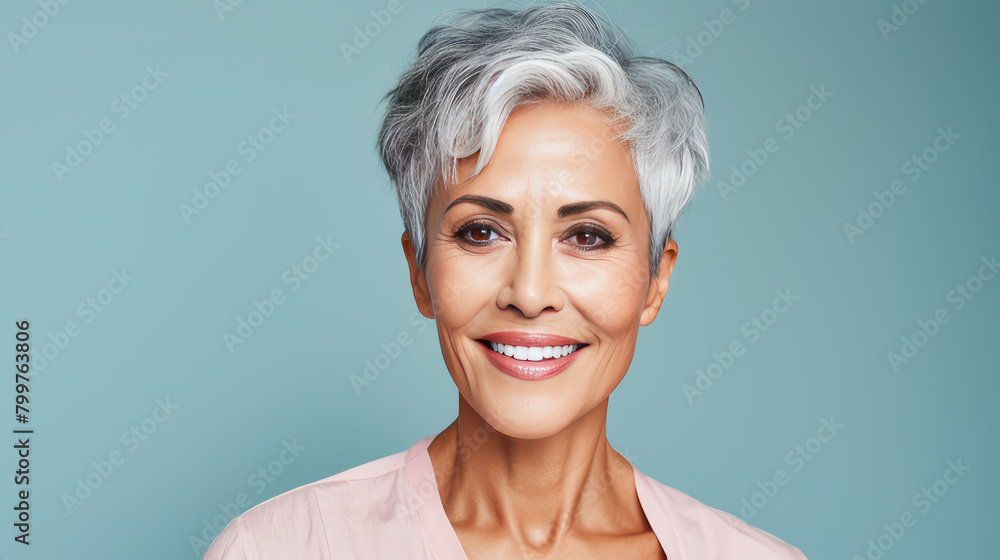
(533, 353)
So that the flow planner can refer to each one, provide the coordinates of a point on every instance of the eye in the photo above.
(477, 233)
(590, 237)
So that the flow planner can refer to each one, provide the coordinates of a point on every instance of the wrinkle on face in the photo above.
(533, 277)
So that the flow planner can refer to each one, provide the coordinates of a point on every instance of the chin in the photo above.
(529, 430)
(521, 417)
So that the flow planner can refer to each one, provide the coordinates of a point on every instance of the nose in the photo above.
(532, 283)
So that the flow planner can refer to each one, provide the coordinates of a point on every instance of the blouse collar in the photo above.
(427, 505)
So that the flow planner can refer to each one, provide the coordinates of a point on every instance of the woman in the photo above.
(540, 168)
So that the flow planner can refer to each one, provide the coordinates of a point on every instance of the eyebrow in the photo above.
(565, 210)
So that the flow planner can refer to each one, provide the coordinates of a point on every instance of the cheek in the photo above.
(609, 294)
(459, 290)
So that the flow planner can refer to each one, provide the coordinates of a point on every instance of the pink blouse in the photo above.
(390, 508)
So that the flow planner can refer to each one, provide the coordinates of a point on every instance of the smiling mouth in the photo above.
(532, 353)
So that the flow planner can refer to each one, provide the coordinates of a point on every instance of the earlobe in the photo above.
(418, 280)
(658, 285)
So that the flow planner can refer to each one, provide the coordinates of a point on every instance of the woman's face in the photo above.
(546, 248)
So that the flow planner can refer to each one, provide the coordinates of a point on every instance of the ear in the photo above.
(417, 278)
(659, 284)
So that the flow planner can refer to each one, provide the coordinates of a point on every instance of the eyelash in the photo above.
(602, 233)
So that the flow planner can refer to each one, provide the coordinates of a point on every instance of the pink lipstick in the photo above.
(530, 356)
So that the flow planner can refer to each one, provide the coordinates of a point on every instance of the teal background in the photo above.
(162, 335)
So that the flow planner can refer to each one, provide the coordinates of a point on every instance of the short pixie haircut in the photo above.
(475, 66)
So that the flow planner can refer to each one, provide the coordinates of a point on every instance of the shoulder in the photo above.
(709, 533)
(302, 522)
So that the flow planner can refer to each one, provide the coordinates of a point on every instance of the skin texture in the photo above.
(526, 470)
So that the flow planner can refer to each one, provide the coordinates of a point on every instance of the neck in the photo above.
(536, 490)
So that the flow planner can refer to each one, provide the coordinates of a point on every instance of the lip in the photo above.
(527, 370)
(529, 339)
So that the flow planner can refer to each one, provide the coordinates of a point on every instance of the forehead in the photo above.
(572, 144)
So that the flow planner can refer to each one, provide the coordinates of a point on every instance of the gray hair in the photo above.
(476, 66)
